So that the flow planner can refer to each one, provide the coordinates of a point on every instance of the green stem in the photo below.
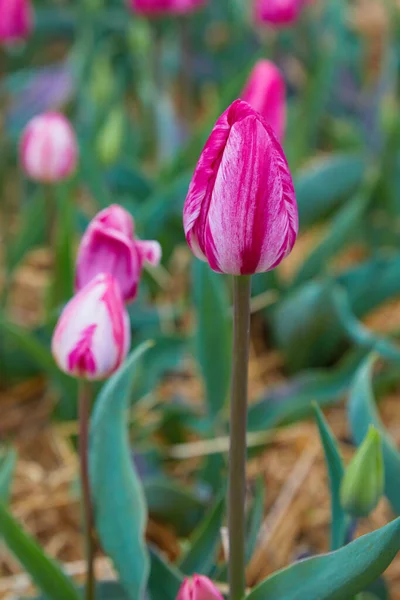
(85, 395)
(238, 427)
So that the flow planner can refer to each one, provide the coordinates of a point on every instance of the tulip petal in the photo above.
(149, 251)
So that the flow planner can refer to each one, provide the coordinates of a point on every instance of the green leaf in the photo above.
(8, 463)
(164, 580)
(362, 413)
(119, 504)
(255, 517)
(110, 590)
(213, 338)
(204, 543)
(173, 504)
(46, 574)
(340, 521)
(338, 575)
(323, 186)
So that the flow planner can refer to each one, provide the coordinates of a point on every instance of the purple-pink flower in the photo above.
(109, 246)
(165, 7)
(265, 91)
(198, 587)
(92, 336)
(48, 148)
(240, 214)
(279, 13)
(16, 20)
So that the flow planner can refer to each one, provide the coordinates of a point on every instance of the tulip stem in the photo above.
(238, 428)
(85, 401)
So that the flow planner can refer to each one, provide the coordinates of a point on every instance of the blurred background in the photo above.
(142, 94)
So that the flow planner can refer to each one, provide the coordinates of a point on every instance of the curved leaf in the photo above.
(119, 504)
(7, 467)
(340, 520)
(46, 574)
(164, 579)
(338, 575)
(362, 413)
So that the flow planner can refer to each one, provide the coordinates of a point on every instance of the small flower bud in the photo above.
(16, 20)
(363, 482)
(109, 140)
(278, 13)
(199, 588)
(165, 7)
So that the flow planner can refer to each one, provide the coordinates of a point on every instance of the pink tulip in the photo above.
(278, 12)
(48, 148)
(16, 20)
(92, 336)
(240, 214)
(265, 91)
(108, 245)
(165, 7)
(199, 588)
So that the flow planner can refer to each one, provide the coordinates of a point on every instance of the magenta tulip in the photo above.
(165, 7)
(16, 20)
(92, 336)
(240, 214)
(109, 246)
(48, 148)
(199, 588)
(278, 12)
(265, 91)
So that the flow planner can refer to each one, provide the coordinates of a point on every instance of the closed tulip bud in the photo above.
(199, 588)
(48, 148)
(240, 214)
(279, 13)
(109, 140)
(364, 479)
(16, 20)
(92, 337)
(165, 7)
(265, 91)
(109, 246)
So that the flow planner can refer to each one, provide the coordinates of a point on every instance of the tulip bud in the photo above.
(48, 148)
(364, 480)
(165, 7)
(278, 12)
(109, 246)
(16, 20)
(92, 336)
(265, 91)
(198, 588)
(109, 140)
(240, 214)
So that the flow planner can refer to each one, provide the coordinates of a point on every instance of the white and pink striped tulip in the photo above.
(165, 7)
(279, 13)
(48, 148)
(16, 20)
(240, 214)
(265, 91)
(198, 587)
(109, 245)
(92, 336)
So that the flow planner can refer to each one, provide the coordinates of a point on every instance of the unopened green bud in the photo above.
(140, 37)
(389, 114)
(103, 80)
(109, 140)
(364, 479)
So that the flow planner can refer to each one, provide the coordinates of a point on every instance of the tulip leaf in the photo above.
(46, 574)
(340, 521)
(213, 338)
(164, 579)
(173, 504)
(338, 575)
(323, 186)
(362, 413)
(7, 468)
(118, 498)
(204, 543)
(255, 517)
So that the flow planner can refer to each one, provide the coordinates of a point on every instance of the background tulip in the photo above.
(48, 148)
(92, 336)
(199, 588)
(240, 214)
(265, 91)
(159, 7)
(109, 246)
(278, 12)
(16, 20)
